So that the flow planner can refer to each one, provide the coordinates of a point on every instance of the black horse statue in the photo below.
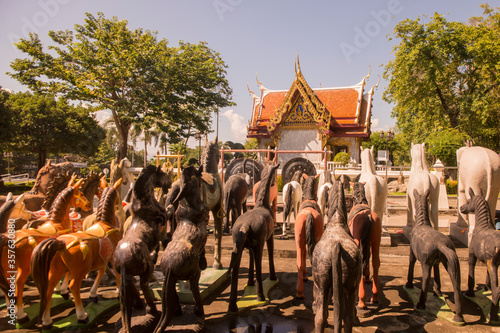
(184, 257)
(137, 252)
(251, 230)
(431, 247)
(336, 268)
(485, 246)
(235, 198)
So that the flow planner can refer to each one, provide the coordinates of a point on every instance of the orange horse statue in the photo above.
(308, 229)
(366, 229)
(77, 253)
(26, 240)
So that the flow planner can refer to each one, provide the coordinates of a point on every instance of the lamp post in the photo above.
(8, 156)
(387, 136)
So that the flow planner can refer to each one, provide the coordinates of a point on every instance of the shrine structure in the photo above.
(337, 119)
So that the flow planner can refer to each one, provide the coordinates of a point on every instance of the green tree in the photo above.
(251, 143)
(444, 145)
(445, 76)
(44, 125)
(130, 72)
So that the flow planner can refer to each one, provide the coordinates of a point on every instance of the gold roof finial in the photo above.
(366, 77)
(260, 83)
(375, 86)
(298, 62)
(249, 91)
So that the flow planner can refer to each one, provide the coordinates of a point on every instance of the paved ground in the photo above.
(396, 312)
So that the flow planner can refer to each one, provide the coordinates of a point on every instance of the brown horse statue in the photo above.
(77, 254)
(308, 229)
(13, 209)
(251, 230)
(184, 256)
(366, 229)
(336, 267)
(273, 191)
(431, 247)
(235, 198)
(485, 246)
(137, 252)
(26, 240)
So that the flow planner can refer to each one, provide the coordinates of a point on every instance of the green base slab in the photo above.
(435, 306)
(483, 300)
(210, 280)
(33, 310)
(94, 310)
(249, 299)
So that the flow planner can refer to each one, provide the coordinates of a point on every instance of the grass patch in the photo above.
(16, 188)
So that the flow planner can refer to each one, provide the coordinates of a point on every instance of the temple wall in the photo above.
(296, 139)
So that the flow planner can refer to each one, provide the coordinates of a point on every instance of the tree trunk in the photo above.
(42, 157)
(145, 153)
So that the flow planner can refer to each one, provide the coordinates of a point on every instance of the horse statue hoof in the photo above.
(65, 296)
(23, 320)
(217, 265)
(83, 321)
(94, 299)
(47, 327)
(232, 308)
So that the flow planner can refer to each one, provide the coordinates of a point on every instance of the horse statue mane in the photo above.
(106, 208)
(210, 157)
(47, 173)
(58, 184)
(358, 193)
(143, 194)
(268, 179)
(91, 185)
(310, 189)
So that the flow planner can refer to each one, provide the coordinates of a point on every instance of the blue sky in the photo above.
(337, 41)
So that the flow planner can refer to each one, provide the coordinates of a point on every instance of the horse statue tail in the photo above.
(310, 234)
(365, 243)
(287, 201)
(337, 289)
(40, 265)
(4, 284)
(168, 301)
(239, 245)
(226, 202)
(324, 201)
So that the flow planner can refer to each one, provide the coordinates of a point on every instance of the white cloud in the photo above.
(238, 125)
(375, 122)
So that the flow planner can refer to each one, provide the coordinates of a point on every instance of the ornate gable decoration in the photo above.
(300, 108)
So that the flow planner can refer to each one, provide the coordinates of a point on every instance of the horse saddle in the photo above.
(45, 230)
(211, 182)
(357, 210)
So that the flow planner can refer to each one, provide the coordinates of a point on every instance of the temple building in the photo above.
(337, 119)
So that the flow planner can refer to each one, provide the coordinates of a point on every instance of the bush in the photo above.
(451, 186)
(342, 158)
(280, 183)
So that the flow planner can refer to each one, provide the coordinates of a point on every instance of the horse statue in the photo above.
(323, 193)
(479, 169)
(251, 230)
(308, 230)
(235, 198)
(421, 180)
(375, 186)
(484, 245)
(77, 254)
(184, 256)
(25, 241)
(273, 194)
(292, 196)
(212, 193)
(336, 267)
(366, 229)
(137, 251)
(431, 247)
(13, 209)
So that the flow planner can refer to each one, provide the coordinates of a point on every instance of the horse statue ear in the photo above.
(305, 176)
(371, 149)
(200, 170)
(471, 192)
(426, 193)
(481, 192)
(78, 185)
(72, 180)
(360, 149)
(412, 144)
(19, 198)
(118, 184)
(103, 182)
(415, 193)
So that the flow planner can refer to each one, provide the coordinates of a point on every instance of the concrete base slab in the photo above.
(249, 299)
(94, 310)
(33, 310)
(483, 300)
(210, 280)
(435, 306)
(386, 237)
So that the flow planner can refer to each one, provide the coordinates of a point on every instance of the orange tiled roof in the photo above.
(347, 105)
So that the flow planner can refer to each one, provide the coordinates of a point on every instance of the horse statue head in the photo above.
(210, 157)
(310, 188)
(418, 161)
(367, 162)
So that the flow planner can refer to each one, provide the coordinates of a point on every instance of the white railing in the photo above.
(21, 178)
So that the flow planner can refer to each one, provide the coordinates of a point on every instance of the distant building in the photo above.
(302, 118)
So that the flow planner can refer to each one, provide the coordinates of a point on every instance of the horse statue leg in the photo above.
(218, 236)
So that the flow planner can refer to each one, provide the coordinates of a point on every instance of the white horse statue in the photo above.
(292, 198)
(323, 193)
(421, 180)
(478, 169)
(375, 186)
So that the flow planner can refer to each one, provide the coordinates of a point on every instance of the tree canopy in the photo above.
(445, 75)
(141, 79)
(44, 125)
